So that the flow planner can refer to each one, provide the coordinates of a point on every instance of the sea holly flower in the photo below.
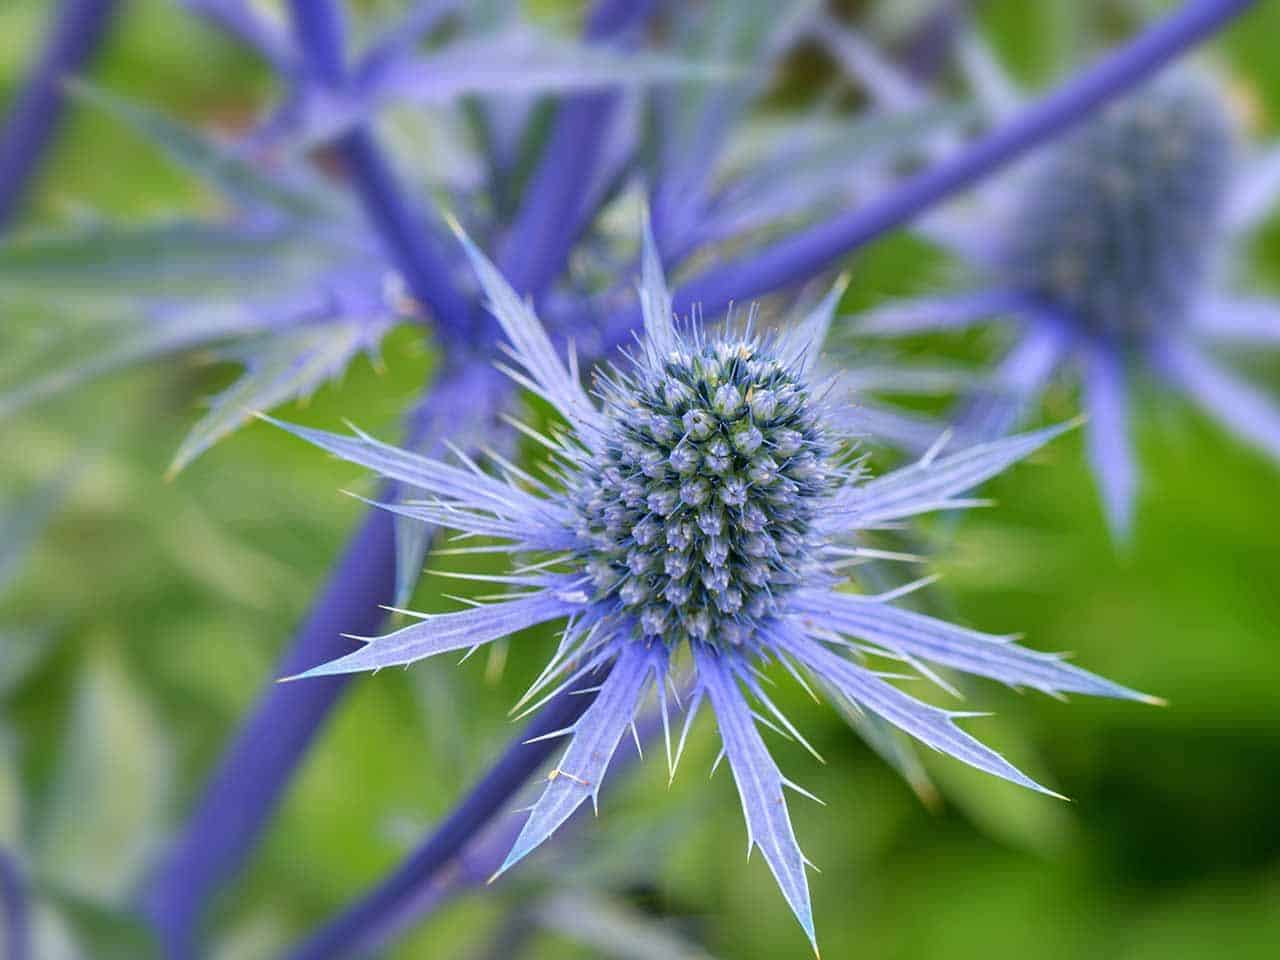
(1111, 253)
(700, 517)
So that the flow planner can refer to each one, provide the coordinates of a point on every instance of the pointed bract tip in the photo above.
(456, 226)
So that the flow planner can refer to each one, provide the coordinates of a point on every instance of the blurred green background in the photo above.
(147, 617)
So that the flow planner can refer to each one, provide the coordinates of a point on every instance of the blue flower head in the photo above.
(1110, 249)
(709, 505)
(1117, 226)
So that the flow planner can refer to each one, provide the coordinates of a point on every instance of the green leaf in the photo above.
(110, 790)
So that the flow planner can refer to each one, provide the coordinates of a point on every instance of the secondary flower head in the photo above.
(709, 508)
(1118, 225)
(1110, 248)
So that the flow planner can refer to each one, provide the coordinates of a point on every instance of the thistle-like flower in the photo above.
(1109, 249)
(703, 513)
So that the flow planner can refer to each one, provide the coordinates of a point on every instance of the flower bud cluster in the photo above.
(700, 507)
(1116, 226)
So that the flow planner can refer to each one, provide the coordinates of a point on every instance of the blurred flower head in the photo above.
(1112, 250)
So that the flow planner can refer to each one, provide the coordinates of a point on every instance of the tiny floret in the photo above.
(701, 520)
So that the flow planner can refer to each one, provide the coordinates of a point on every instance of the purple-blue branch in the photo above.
(76, 31)
(804, 254)
(318, 29)
(358, 927)
(13, 908)
(928, 46)
(543, 232)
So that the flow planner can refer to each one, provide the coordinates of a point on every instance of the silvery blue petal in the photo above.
(906, 431)
(996, 92)
(596, 736)
(289, 366)
(532, 347)
(928, 724)
(802, 343)
(1020, 379)
(1107, 435)
(469, 489)
(248, 184)
(1254, 197)
(917, 636)
(518, 60)
(759, 783)
(1246, 321)
(242, 22)
(1240, 406)
(928, 486)
(655, 298)
(900, 318)
(889, 87)
(440, 633)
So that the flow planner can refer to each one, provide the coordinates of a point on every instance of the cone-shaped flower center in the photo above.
(700, 507)
(1117, 225)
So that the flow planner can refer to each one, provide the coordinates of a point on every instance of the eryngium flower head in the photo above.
(1118, 224)
(1111, 249)
(709, 506)
(697, 511)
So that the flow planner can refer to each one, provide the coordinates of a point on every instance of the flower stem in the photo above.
(76, 31)
(318, 28)
(802, 255)
(358, 927)
(13, 908)
(545, 227)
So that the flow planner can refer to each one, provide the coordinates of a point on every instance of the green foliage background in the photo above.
(149, 615)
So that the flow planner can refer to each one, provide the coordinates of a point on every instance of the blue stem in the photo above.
(928, 46)
(13, 907)
(318, 28)
(406, 236)
(544, 229)
(357, 928)
(76, 30)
